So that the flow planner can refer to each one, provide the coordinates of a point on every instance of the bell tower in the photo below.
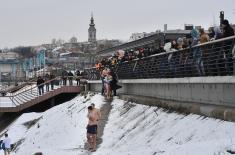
(92, 31)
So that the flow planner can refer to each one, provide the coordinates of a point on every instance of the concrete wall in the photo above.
(212, 92)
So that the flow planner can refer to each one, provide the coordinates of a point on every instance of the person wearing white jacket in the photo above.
(7, 145)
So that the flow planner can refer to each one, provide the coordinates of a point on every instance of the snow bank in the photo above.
(131, 129)
(135, 129)
(58, 131)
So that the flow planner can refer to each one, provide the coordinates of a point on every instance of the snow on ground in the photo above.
(58, 131)
(132, 129)
(138, 129)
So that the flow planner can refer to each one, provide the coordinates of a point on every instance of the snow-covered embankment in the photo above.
(132, 129)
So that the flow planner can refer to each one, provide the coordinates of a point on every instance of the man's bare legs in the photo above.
(91, 139)
(94, 142)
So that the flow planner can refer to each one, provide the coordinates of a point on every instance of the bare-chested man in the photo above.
(97, 111)
(92, 128)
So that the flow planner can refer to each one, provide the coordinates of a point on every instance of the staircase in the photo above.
(29, 95)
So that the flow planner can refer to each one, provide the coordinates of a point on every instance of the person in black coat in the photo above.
(52, 76)
(227, 29)
(64, 77)
(40, 85)
(70, 75)
(78, 74)
(114, 86)
(227, 32)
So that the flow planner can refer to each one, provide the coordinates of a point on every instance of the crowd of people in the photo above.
(109, 79)
(49, 80)
(196, 37)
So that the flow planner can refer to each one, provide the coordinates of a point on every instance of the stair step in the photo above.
(18, 100)
(31, 95)
(22, 98)
(27, 97)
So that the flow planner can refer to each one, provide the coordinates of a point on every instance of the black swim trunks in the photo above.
(92, 129)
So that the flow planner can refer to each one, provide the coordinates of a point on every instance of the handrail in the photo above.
(215, 58)
(10, 90)
(31, 92)
(49, 81)
(43, 84)
(198, 45)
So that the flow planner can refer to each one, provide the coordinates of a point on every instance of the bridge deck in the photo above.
(8, 104)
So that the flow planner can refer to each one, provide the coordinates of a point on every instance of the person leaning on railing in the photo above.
(197, 55)
(227, 32)
(204, 37)
(227, 29)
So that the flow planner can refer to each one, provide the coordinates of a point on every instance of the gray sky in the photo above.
(33, 22)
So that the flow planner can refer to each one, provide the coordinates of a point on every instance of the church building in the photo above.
(92, 31)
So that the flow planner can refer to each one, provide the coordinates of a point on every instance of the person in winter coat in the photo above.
(78, 76)
(113, 84)
(70, 77)
(40, 85)
(227, 29)
(47, 78)
(203, 36)
(218, 33)
(227, 32)
(197, 55)
(7, 145)
(64, 77)
(52, 76)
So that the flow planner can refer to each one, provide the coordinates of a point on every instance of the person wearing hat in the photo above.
(227, 32)
(227, 29)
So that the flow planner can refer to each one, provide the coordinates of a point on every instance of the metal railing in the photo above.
(215, 58)
(33, 91)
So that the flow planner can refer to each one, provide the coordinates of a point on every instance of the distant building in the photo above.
(188, 26)
(198, 27)
(74, 54)
(10, 67)
(73, 40)
(92, 31)
(136, 36)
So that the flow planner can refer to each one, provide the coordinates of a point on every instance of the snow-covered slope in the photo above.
(58, 131)
(132, 129)
(143, 130)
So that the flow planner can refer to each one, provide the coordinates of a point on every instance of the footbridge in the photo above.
(29, 96)
(198, 79)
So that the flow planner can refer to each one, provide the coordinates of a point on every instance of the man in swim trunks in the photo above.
(92, 128)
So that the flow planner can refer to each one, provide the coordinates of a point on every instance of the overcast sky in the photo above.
(33, 22)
